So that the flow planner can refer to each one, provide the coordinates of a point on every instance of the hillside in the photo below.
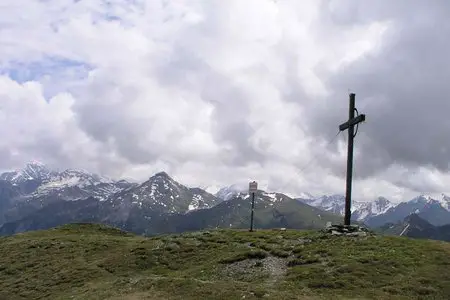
(414, 226)
(271, 210)
(82, 261)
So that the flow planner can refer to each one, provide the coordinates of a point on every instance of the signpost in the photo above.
(252, 188)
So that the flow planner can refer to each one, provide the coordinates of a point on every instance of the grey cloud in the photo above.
(419, 186)
(403, 90)
(102, 113)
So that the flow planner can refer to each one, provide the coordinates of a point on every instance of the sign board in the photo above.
(252, 187)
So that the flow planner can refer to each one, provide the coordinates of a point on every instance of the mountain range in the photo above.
(37, 197)
(381, 211)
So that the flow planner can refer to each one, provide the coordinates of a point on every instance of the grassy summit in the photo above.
(81, 261)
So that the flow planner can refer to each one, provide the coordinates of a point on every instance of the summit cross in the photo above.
(350, 126)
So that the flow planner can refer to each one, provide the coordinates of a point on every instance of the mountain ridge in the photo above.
(162, 199)
(380, 211)
(414, 226)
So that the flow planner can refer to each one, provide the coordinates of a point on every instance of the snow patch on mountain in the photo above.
(360, 210)
(272, 197)
(231, 191)
(364, 210)
(445, 201)
(305, 195)
(195, 203)
(333, 203)
(70, 178)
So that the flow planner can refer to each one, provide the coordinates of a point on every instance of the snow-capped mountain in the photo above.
(162, 193)
(36, 180)
(381, 210)
(38, 186)
(77, 184)
(241, 191)
(424, 206)
(361, 211)
(35, 171)
(333, 203)
(29, 178)
(444, 201)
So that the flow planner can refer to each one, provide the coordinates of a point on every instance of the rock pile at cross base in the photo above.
(347, 230)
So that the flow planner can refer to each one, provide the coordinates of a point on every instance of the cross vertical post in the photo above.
(350, 125)
(348, 185)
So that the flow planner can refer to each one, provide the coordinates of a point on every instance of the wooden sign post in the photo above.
(252, 188)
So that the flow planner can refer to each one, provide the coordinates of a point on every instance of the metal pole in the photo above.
(348, 193)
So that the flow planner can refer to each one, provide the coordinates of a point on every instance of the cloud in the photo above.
(401, 87)
(222, 92)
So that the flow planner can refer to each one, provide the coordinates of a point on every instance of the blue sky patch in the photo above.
(49, 66)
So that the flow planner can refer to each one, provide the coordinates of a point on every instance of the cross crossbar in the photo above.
(354, 121)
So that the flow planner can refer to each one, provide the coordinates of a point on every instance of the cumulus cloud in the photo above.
(222, 92)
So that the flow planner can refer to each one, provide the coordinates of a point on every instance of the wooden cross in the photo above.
(350, 125)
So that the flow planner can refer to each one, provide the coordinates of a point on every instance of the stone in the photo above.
(351, 230)
(357, 234)
(304, 241)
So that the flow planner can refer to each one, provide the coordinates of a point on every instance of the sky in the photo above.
(225, 92)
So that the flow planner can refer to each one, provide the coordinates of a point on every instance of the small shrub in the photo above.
(264, 247)
(279, 253)
(324, 284)
(258, 264)
(425, 290)
(323, 252)
(256, 254)
(302, 261)
(392, 290)
(259, 293)
(297, 250)
(364, 260)
(287, 248)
